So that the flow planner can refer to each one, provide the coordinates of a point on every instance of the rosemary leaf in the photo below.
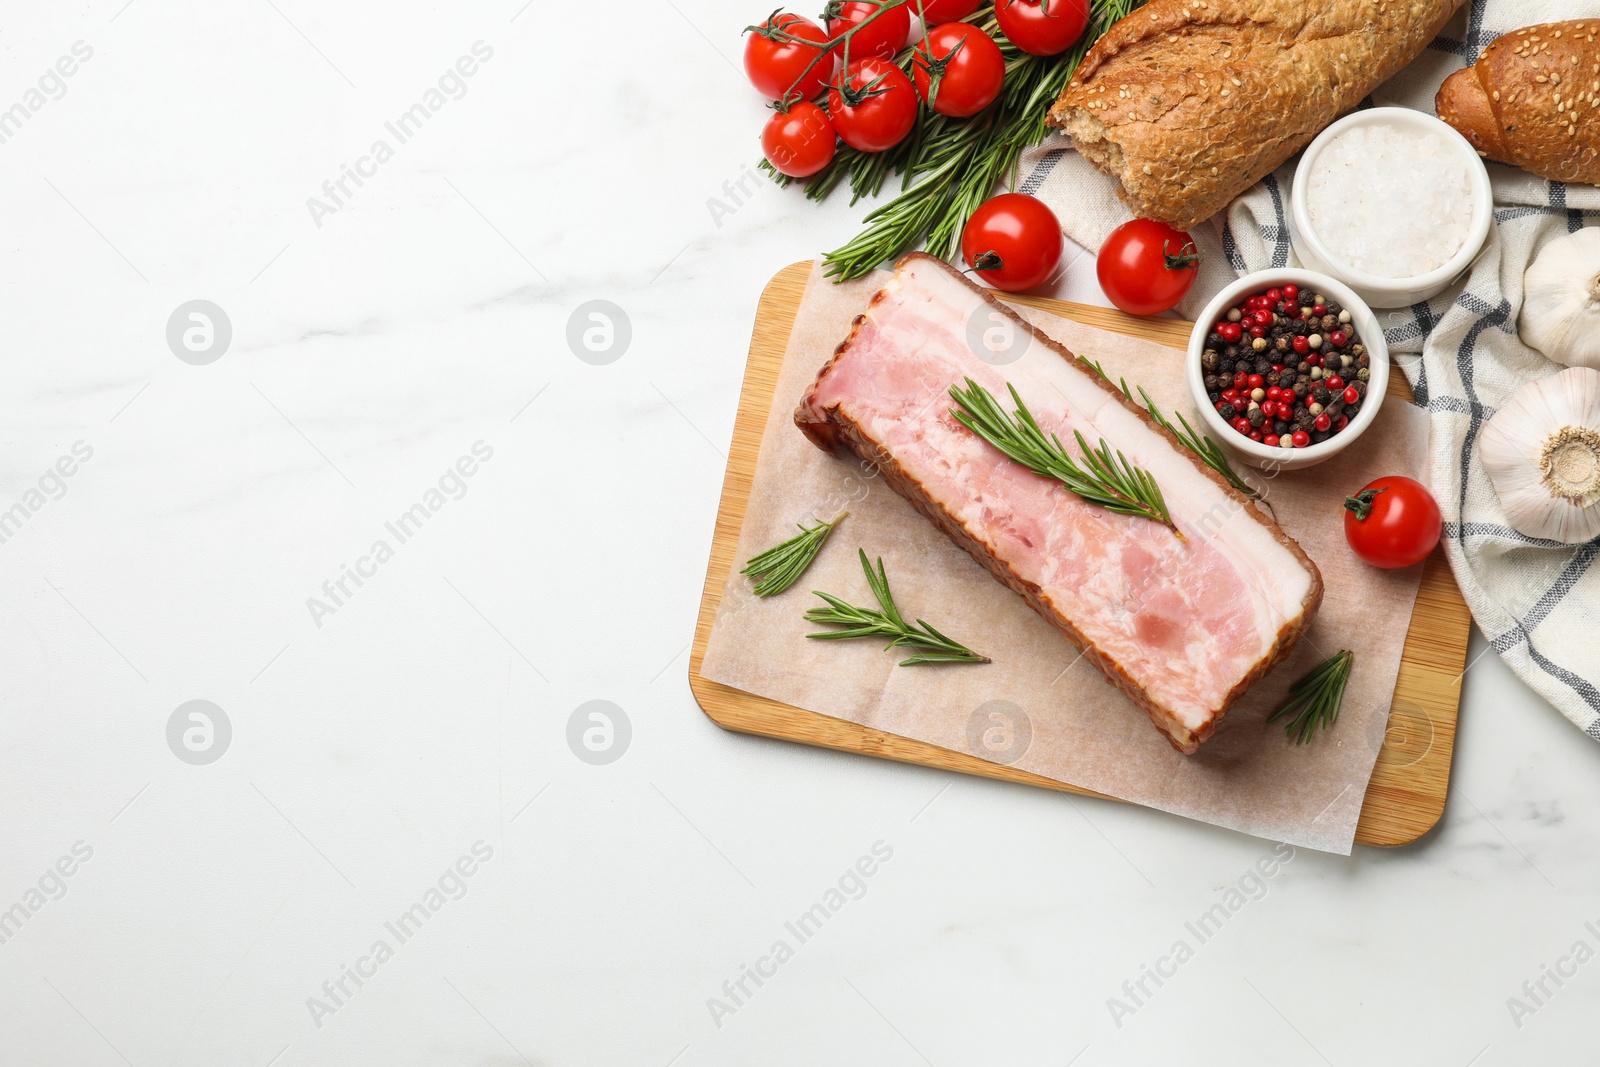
(950, 166)
(930, 645)
(776, 569)
(1102, 477)
(1313, 701)
(1209, 451)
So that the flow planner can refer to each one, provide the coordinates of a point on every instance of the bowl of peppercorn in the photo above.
(1287, 368)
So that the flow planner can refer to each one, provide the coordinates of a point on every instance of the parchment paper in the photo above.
(1038, 706)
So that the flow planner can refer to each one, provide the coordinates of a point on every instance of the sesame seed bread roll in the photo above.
(1188, 103)
(1533, 100)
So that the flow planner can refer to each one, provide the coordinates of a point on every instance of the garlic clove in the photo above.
(1561, 300)
(1542, 454)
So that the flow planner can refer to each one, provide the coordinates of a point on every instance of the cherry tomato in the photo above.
(884, 110)
(773, 66)
(884, 37)
(969, 67)
(800, 142)
(1392, 522)
(1145, 267)
(1013, 241)
(937, 12)
(1042, 27)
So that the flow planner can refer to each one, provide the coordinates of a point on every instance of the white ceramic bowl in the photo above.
(1367, 329)
(1390, 292)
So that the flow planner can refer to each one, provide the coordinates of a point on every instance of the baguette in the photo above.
(1533, 100)
(1188, 103)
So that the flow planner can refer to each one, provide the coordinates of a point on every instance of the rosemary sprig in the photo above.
(1209, 451)
(776, 569)
(950, 166)
(931, 646)
(1313, 702)
(1104, 478)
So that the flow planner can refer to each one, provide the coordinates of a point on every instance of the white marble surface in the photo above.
(429, 711)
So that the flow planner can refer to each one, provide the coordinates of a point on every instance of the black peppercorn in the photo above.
(1280, 428)
(1209, 360)
(1227, 412)
(1211, 383)
(1256, 418)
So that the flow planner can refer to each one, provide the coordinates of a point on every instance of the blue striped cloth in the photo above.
(1538, 602)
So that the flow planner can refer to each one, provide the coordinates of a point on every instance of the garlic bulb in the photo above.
(1542, 452)
(1561, 303)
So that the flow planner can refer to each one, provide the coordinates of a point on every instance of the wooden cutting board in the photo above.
(1406, 795)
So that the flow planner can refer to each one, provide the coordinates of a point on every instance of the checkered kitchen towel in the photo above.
(1537, 601)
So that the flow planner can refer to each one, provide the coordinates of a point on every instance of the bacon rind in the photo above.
(831, 430)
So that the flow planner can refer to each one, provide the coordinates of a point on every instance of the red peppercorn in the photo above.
(1338, 337)
(1271, 440)
(1242, 424)
(1230, 332)
(1269, 409)
(1290, 292)
(1273, 393)
(1257, 330)
(1274, 295)
(1344, 420)
(1255, 435)
(1264, 317)
(1314, 360)
(1335, 383)
(1218, 404)
(1322, 422)
(1301, 439)
(1255, 381)
(1319, 310)
(1301, 346)
(1350, 395)
(1278, 367)
(1239, 379)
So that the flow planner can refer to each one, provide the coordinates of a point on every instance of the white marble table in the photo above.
(396, 765)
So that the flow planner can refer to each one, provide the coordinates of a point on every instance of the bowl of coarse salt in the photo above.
(1392, 202)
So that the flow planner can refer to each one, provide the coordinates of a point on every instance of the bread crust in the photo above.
(1188, 103)
(832, 430)
(1533, 100)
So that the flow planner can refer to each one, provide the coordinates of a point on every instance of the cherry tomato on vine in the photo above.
(773, 65)
(1392, 522)
(799, 142)
(968, 67)
(1145, 267)
(937, 12)
(884, 37)
(1042, 27)
(877, 108)
(1013, 241)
